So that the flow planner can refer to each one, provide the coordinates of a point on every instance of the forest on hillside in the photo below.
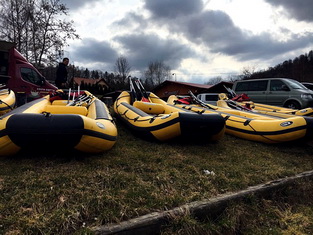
(300, 68)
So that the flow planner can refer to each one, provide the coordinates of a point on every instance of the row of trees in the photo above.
(300, 68)
(156, 73)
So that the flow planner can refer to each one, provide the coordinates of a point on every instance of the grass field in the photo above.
(287, 211)
(63, 193)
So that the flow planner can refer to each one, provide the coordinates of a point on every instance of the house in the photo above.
(167, 88)
(85, 82)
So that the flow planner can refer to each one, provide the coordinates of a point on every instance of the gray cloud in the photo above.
(298, 9)
(213, 29)
(131, 20)
(75, 4)
(264, 47)
(216, 31)
(173, 8)
(91, 50)
(142, 49)
(210, 27)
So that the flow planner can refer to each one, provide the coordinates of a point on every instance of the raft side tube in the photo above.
(201, 125)
(101, 110)
(51, 131)
(151, 108)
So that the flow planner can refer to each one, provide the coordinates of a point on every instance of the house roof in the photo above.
(174, 88)
(89, 81)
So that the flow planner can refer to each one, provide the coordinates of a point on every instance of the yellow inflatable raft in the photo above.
(163, 122)
(84, 124)
(253, 126)
(264, 108)
(7, 100)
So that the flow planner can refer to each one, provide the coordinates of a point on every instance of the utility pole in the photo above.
(174, 74)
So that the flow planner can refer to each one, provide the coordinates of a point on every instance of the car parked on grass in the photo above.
(276, 91)
(209, 98)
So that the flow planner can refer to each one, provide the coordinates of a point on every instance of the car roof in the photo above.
(260, 79)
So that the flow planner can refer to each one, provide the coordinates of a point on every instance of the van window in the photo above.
(211, 97)
(295, 84)
(31, 75)
(252, 86)
(276, 85)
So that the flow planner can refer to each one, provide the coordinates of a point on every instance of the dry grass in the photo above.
(59, 193)
(289, 211)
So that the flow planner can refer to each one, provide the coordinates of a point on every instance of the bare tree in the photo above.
(156, 73)
(13, 21)
(36, 27)
(214, 80)
(233, 78)
(248, 71)
(122, 68)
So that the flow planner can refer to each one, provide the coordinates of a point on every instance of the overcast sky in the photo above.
(198, 39)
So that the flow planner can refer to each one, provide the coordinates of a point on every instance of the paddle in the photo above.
(144, 91)
(69, 95)
(230, 91)
(80, 99)
(132, 88)
(198, 101)
(144, 96)
(233, 103)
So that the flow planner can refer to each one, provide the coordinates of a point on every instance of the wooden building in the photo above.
(90, 82)
(167, 88)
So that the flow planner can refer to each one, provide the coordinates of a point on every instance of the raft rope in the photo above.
(2, 102)
(4, 92)
(227, 117)
(245, 123)
(136, 119)
(190, 108)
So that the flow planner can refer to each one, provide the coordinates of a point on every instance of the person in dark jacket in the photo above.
(61, 79)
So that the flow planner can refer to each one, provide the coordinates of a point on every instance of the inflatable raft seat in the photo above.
(60, 102)
(150, 108)
(222, 103)
(61, 109)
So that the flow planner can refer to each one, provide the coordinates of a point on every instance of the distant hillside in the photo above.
(300, 68)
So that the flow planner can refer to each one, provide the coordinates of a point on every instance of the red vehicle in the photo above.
(21, 76)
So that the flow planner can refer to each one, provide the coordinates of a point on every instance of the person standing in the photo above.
(61, 76)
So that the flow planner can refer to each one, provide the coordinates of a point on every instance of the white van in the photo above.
(276, 91)
(209, 98)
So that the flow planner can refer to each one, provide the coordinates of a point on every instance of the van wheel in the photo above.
(292, 105)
